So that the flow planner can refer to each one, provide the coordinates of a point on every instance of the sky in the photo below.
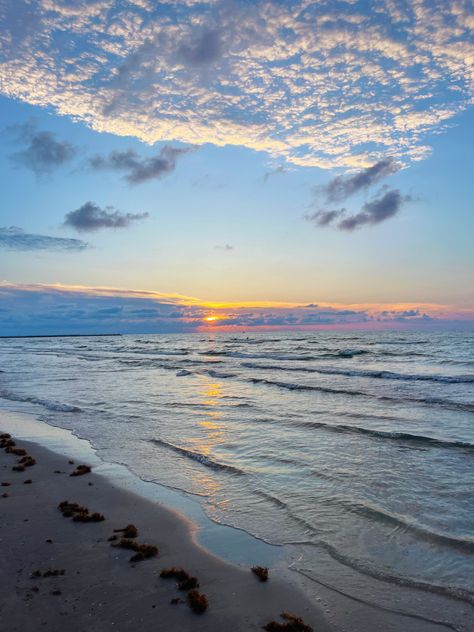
(233, 164)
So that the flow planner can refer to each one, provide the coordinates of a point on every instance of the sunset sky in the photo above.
(179, 165)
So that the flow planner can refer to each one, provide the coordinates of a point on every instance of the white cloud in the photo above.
(316, 84)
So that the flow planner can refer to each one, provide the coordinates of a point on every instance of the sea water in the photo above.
(353, 450)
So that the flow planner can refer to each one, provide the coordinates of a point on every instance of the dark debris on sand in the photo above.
(142, 551)
(197, 601)
(261, 572)
(185, 580)
(48, 573)
(79, 513)
(130, 531)
(292, 624)
(81, 470)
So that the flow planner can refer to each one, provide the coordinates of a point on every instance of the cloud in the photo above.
(46, 309)
(376, 211)
(42, 153)
(322, 84)
(280, 170)
(138, 170)
(341, 187)
(203, 50)
(344, 186)
(90, 217)
(15, 238)
(325, 217)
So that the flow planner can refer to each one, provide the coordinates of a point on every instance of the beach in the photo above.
(100, 588)
(340, 462)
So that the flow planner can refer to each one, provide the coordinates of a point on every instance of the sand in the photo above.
(101, 589)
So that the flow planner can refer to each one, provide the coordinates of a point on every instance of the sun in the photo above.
(211, 319)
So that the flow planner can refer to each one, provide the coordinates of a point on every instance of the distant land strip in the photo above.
(62, 336)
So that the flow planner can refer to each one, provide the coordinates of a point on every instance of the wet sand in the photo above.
(101, 589)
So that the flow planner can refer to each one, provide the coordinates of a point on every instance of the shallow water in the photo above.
(353, 449)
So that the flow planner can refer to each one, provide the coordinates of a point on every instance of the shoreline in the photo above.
(235, 549)
(99, 580)
(226, 542)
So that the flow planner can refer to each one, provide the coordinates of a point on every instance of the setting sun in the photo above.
(211, 319)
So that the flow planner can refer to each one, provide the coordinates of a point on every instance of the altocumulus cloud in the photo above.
(137, 169)
(90, 217)
(317, 83)
(15, 238)
(203, 49)
(42, 152)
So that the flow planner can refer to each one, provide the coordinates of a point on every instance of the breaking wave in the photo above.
(389, 375)
(47, 403)
(197, 456)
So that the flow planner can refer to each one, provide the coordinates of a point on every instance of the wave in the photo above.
(427, 401)
(449, 379)
(200, 362)
(274, 500)
(271, 356)
(218, 374)
(177, 352)
(198, 456)
(254, 341)
(382, 515)
(345, 353)
(309, 574)
(291, 386)
(389, 576)
(404, 437)
(47, 403)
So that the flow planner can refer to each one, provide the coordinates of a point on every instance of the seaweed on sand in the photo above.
(185, 580)
(261, 572)
(81, 470)
(130, 531)
(197, 601)
(142, 551)
(79, 513)
(292, 624)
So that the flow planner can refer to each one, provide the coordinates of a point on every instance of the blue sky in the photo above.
(230, 123)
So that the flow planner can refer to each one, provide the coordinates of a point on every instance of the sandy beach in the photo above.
(91, 585)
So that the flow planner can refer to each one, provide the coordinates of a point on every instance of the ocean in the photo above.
(353, 450)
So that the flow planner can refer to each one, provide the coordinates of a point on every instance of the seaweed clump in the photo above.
(261, 572)
(197, 601)
(6, 441)
(48, 573)
(130, 531)
(185, 580)
(81, 470)
(79, 513)
(16, 451)
(27, 461)
(24, 462)
(142, 551)
(292, 624)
